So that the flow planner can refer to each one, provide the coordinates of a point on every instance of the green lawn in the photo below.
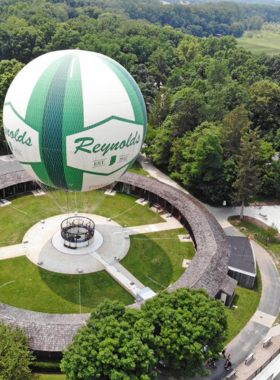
(156, 258)
(250, 228)
(262, 42)
(27, 210)
(137, 169)
(48, 376)
(37, 289)
(273, 249)
(124, 210)
(247, 302)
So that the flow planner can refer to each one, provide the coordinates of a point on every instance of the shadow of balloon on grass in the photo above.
(146, 260)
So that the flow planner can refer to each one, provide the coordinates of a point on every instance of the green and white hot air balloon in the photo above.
(75, 120)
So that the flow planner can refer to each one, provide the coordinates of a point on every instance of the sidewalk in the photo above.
(12, 251)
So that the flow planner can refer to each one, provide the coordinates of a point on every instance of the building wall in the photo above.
(243, 279)
(271, 371)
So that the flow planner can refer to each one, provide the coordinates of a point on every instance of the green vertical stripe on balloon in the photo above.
(133, 92)
(52, 131)
(35, 113)
(73, 119)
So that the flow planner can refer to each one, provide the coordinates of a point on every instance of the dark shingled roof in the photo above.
(11, 172)
(46, 332)
(208, 269)
(242, 255)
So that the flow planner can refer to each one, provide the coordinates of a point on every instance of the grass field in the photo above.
(156, 258)
(247, 302)
(27, 210)
(264, 41)
(45, 376)
(40, 290)
(273, 249)
(137, 169)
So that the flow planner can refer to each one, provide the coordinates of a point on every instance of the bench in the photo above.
(249, 358)
(158, 207)
(233, 373)
(267, 341)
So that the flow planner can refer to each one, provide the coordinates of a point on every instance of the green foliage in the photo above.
(115, 344)
(15, 354)
(265, 106)
(185, 321)
(8, 70)
(120, 343)
(200, 155)
(272, 232)
(249, 168)
(235, 124)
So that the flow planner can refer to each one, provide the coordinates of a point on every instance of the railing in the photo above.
(264, 365)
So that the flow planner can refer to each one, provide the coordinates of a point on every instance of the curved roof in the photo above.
(208, 269)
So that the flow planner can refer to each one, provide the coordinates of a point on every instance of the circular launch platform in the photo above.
(45, 247)
(58, 244)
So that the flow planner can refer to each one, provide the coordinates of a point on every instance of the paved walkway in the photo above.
(260, 324)
(12, 251)
(266, 214)
(170, 224)
(120, 274)
(148, 165)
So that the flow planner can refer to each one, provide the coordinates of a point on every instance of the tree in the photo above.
(64, 38)
(272, 64)
(249, 168)
(115, 344)
(159, 65)
(188, 111)
(160, 149)
(265, 106)
(217, 72)
(15, 354)
(235, 124)
(202, 169)
(8, 70)
(185, 321)
(208, 156)
(256, 23)
(188, 49)
(160, 109)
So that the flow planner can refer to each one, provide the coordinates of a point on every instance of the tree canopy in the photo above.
(171, 329)
(15, 354)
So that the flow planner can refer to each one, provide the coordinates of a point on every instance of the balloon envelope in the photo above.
(75, 120)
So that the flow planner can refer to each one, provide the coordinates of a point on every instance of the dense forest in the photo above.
(214, 108)
(265, 2)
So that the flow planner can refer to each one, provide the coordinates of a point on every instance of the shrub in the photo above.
(272, 232)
